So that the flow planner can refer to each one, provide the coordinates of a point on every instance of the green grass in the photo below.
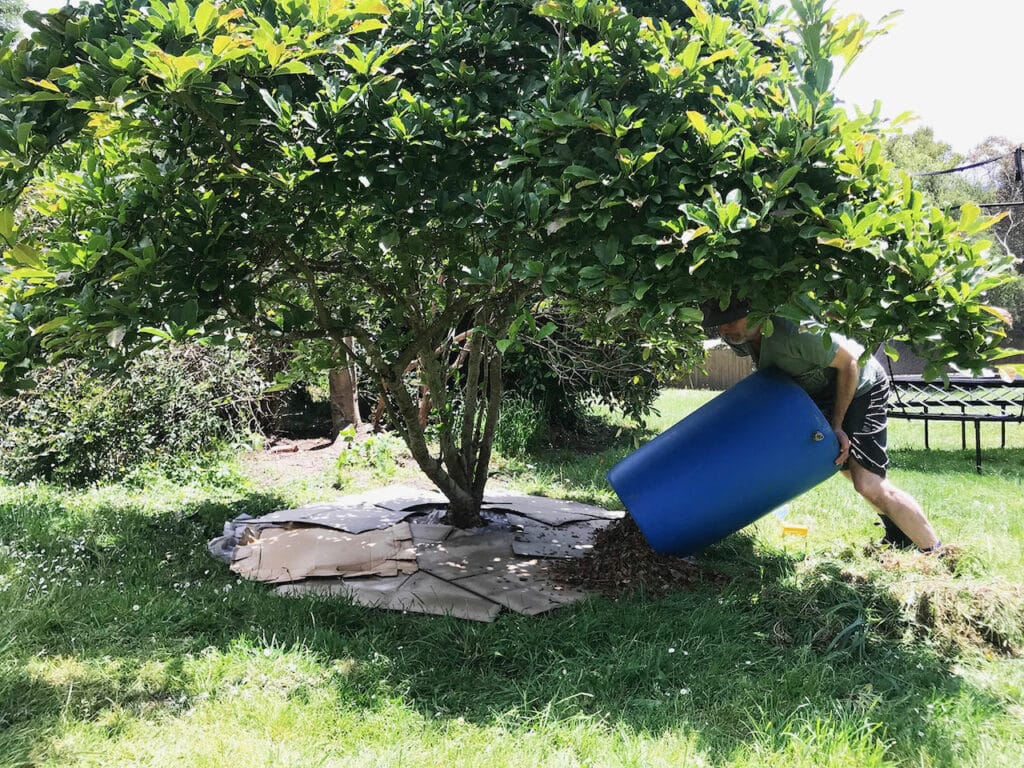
(123, 643)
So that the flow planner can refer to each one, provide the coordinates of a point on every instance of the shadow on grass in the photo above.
(755, 659)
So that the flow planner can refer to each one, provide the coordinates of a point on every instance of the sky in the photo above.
(953, 63)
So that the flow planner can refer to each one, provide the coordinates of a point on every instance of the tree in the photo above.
(992, 183)
(419, 177)
(920, 152)
(1005, 185)
(10, 15)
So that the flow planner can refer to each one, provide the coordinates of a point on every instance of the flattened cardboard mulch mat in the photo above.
(622, 562)
(389, 549)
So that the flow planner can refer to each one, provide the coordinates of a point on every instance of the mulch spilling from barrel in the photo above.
(623, 562)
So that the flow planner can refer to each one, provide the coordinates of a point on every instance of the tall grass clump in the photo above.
(521, 426)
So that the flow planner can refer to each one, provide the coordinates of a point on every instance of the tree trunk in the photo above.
(464, 510)
(344, 398)
(466, 424)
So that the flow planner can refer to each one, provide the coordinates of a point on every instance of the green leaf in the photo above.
(271, 102)
(118, 86)
(50, 325)
(27, 255)
(698, 121)
(618, 311)
(221, 43)
(293, 67)
(607, 250)
(151, 172)
(999, 312)
(581, 172)
(503, 345)
(161, 334)
(372, 8)
(23, 133)
(546, 331)
(367, 25)
(43, 84)
(787, 176)
(398, 126)
(691, 52)
(204, 17)
(933, 371)
(30, 273)
(7, 223)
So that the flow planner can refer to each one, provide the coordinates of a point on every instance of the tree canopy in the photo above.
(406, 183)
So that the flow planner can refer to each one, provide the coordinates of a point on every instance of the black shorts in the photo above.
(866, 424)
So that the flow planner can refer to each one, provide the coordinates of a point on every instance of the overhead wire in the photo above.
(1018, 162)
(959, 168)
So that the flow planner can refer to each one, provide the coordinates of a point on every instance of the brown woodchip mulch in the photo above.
(623, 562)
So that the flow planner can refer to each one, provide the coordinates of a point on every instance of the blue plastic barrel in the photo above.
(757, 445)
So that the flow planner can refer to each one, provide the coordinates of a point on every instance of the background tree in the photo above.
(1005, 185)
(10, 15)
(921, 152)
(421, 177)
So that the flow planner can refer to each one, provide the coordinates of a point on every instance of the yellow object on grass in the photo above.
(789, 529)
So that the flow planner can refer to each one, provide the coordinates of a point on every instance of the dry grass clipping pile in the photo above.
(963, 615)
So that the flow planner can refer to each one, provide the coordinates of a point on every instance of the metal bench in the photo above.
(963, 399)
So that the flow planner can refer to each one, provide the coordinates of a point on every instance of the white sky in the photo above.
(957, 64)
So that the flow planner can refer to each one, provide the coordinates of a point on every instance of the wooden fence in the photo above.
(724, 368)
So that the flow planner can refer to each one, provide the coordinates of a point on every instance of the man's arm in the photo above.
(846, 387)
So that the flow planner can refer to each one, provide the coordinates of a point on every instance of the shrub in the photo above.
(379, 453)
(80, 425)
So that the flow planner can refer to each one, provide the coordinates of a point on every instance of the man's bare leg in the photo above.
(895, 503)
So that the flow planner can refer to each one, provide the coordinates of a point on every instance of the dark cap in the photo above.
(715, 316)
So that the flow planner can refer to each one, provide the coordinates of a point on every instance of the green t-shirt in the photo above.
(806, 355)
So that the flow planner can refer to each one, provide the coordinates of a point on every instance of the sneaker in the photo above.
(894, 537)
(935, 550)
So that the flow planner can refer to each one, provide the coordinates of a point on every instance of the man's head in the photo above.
(731, 321)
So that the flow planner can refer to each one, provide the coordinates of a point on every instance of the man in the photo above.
(853, 397)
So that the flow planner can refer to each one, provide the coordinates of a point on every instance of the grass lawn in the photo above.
(122, 643)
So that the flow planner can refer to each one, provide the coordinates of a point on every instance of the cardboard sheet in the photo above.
(290, 554)
(419, 593)
(527, 588)
(565, 541)
(546, 510)
(469, 556)
(378, 550)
